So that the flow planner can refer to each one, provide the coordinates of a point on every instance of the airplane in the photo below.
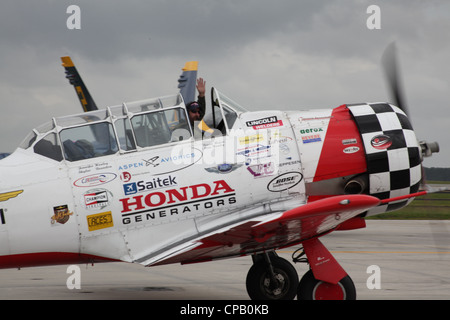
(137, 183)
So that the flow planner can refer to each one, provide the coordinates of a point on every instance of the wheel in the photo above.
(310, 288)
(262, 286)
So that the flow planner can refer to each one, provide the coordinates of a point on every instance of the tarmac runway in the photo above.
(411, 258)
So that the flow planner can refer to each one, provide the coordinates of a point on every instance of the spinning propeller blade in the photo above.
(392, 72)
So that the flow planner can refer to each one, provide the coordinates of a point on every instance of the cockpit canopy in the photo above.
(123, 128)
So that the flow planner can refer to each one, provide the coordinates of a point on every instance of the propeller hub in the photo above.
(428, 148)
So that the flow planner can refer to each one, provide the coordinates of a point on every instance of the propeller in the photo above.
(392, 73)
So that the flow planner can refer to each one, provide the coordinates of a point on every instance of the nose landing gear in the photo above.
(271, 278)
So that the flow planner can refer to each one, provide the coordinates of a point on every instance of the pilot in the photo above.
(196, 109)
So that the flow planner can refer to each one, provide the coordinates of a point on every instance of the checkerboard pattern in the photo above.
(394, 165)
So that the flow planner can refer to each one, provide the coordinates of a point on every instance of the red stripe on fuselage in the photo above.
(39, 259)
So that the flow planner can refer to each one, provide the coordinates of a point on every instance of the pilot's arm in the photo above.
(201, 88)
(202, 106)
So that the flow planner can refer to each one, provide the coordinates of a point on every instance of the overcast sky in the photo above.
(288, 55)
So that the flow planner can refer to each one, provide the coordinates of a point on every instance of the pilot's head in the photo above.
(193, 109)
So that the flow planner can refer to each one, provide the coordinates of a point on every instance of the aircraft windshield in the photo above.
(126, 127)
(224, 114)
(225, 101)
(82, 118)
(153, 104)
(89, 141)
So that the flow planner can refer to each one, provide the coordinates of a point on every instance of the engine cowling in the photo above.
(367, 148)
(393, 153)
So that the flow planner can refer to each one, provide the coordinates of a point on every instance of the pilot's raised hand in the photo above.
(201, 87)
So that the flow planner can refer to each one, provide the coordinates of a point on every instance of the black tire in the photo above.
(310, 288)
(259, 280)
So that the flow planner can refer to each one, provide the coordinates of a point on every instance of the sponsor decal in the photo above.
(223, 168)
(147, 185)
(289, 163)
(102, 166)
(381, 142)
(346, 142)
(8, 195)
(311, 130)
(284, 149)
(100, 221)
(131, 165)
(285, 181)
(178, 159)
(278, 138)
(171, 202)
(125, 176)
(350, 150)
(96, 166)
(61, 215)
(251, 139)
(311, 138)
(262, 170)
(97, 199)
(151, 162)
(254, 151)
(94, 180)
(313, 118)
(85, 168)
(264, 123)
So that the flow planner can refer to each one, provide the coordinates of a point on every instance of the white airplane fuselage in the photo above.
(133, 183)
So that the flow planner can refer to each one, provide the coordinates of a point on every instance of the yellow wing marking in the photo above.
(204, 127)
(8, 195)
(190, 66)
(67, 62)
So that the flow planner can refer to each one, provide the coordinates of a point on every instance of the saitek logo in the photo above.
(155, 183)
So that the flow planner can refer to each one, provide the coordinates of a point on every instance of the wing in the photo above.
(74, 77)
(272, 231)
(186, 83)
(188, 80)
